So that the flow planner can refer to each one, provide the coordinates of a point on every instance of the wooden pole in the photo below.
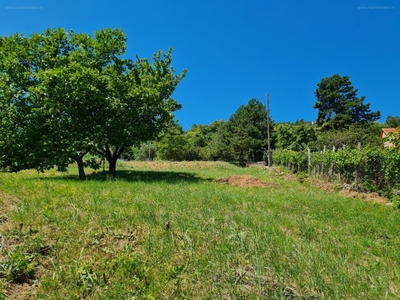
(268, 133)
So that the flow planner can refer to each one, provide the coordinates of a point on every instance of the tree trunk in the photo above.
(112, 157)
(112, 160)
(112, 166)
(81, 167)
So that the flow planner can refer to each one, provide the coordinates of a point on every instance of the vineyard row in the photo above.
(366, 169)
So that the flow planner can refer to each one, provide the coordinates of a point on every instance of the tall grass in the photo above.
(167, 231)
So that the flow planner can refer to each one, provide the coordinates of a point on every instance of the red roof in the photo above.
(385, 131)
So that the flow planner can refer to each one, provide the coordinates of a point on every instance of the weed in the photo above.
(301, 176)
(18, 266)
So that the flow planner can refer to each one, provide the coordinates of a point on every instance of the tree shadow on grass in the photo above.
(136, 176)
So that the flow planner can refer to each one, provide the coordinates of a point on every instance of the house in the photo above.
(386, 133)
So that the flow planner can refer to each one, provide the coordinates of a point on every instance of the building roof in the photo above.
(385, 131)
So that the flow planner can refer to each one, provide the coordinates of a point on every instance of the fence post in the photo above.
(309, 160)
(322, 162)
(331, 168)
(357, 175)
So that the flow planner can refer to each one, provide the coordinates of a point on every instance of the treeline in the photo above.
(240, 139)
(232, 142)
(343, 120)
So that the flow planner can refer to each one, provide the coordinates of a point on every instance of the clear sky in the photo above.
(235, 50)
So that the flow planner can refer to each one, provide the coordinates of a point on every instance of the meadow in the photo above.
(170, 231)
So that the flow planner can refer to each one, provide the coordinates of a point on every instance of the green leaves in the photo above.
(338, 105)
(248, 131)
(376, 169)
(298, 136)
(67, 95)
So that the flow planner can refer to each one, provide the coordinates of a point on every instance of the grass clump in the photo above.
(18, 266)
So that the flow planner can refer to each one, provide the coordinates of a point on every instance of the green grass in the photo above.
(167, 231)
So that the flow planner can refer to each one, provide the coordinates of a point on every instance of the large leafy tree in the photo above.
(338, 105)
(172, 144)
(298, 136)
(248, 131)
(209, 142)
(70, 94)
(142, 106)
(218, 146)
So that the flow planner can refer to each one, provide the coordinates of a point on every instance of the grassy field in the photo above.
(169, 231)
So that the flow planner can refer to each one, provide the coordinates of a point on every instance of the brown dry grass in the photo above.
(23, 291)
(323, 185)
(330, 187)
(244, 181)
(7, 203)
(371, 197)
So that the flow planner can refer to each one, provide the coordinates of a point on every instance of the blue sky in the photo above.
(237, 50)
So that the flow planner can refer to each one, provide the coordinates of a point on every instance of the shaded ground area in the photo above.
(157, 165)
(149, 176)
(245, 181)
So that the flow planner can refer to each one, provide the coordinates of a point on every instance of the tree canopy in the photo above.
(338, 105)
(297, 137)
(171, 144)
(392, 121)
(64, 95)
(248, 131)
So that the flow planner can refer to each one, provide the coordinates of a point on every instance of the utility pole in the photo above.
(268, 132)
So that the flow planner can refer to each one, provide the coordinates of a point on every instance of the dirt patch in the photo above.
(245, 181)
(22, 291)
(371, 197)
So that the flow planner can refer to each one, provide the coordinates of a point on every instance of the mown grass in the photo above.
(167, 231)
